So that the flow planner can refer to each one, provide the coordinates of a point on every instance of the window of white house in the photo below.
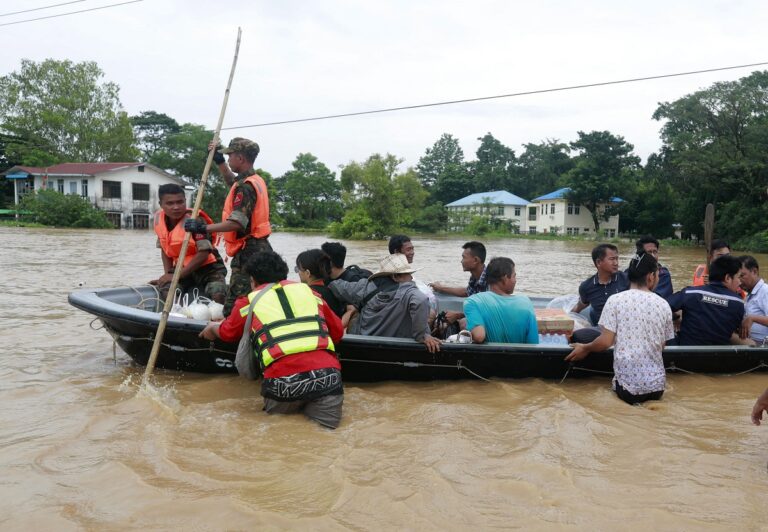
(546, 208)
(576, 209)
(569, 230)
(73, 187)
(552, 208)
(140, 191)
(84, 188)
(112, 189)
(570, 208)
(60, 186)
(532, 213)
(532, 230)
(575, 230)
(517, 211)
(49, 184)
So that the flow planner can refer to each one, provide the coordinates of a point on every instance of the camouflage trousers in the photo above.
(239, 280)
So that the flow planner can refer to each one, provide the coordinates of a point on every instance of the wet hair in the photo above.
(267, 267)
(396, 243)
(336, 251)
(718, 244)
(601, 250)
(749, 262)
(722, 266)
(317, 262)
(168, 189)
(643, 240)
(477, 249)
(640, 266)
(498, 268)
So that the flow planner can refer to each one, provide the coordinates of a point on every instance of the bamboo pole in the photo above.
(179, 263)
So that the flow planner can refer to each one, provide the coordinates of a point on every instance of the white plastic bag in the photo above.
(216, 310)
(198, 309)
(177, 310)
(462, 337)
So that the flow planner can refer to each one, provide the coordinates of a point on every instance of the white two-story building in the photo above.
(553, 213)
(499, 203)
(126, 192)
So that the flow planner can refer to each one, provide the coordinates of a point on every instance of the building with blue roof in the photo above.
(554, 213)
(498, 203)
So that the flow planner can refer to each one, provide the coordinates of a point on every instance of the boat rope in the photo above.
(94, 320)
(458, 365)
(172, 347)
(673, 367)
(142, 299)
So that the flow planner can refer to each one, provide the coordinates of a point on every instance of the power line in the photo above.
(482, 98)
(40, 8)
(70, 13)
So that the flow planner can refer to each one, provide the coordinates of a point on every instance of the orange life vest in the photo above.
(171, 241)
(698, 279)
(699, 273)
(259, 224)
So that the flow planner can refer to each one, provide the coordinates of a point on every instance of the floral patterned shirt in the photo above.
(642, 322)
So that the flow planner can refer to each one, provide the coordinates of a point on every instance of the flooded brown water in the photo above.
(80, 451)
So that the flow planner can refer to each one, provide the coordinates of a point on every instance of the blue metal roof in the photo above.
(561, 192)
(497, 197)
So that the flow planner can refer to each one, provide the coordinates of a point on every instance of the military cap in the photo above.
(242, 145)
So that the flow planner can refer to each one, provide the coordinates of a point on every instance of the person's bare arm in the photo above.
(761, 405)
(478, 334)
(578, 307)
(601, 343)
(450, 290)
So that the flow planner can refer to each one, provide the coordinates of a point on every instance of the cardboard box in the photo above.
(553, 321)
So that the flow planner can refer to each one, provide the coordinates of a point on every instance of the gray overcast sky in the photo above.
(301, 59)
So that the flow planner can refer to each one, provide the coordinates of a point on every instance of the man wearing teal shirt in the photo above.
(497, 315)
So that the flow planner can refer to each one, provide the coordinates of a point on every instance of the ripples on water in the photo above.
(80, 449)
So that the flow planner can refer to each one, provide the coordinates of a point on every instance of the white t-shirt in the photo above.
(642, 322)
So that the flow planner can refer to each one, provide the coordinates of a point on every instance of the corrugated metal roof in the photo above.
(561, 192)
(497, 197)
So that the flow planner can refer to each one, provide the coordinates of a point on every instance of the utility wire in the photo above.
(70, 13)
(482, 98)
(40, 8)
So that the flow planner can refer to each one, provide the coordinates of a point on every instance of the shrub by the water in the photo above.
(49, 207)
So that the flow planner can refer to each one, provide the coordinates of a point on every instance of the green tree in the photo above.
(494, 168)
(64, 113)
(309, 194)
(440, 159)
(377, 200)
(604, 166)
(152, 130)
(715, 150)
(542, 168)
(651, 202)
(49, 207)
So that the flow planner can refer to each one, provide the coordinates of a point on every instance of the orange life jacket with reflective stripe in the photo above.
(171, 241)
(287, 320)
(259, 224)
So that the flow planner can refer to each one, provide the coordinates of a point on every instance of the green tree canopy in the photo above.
(64, 113)
(309, 195)
(542, 168)
(152, 130)
(715, 150)
(444, 155)
(604, 166)
(494, 168)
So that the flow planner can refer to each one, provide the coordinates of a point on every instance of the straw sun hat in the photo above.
(394, 264)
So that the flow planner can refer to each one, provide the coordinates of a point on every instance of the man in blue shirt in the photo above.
(497, 315)
(755, 325)
(648, 244)
(711, 313)
(608, 280)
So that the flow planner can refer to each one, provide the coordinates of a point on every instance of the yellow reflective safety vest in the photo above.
(287, 320)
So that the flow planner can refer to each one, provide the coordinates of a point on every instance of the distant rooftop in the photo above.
(497, 197)
(561, 192)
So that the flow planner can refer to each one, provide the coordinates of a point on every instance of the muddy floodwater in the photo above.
(79, 450)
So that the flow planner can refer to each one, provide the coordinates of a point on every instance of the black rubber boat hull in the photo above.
(129, 315)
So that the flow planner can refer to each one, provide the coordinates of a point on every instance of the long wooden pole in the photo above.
(180, 261)
(709, 228)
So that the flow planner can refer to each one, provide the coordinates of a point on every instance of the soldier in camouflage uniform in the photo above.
(242, 155)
